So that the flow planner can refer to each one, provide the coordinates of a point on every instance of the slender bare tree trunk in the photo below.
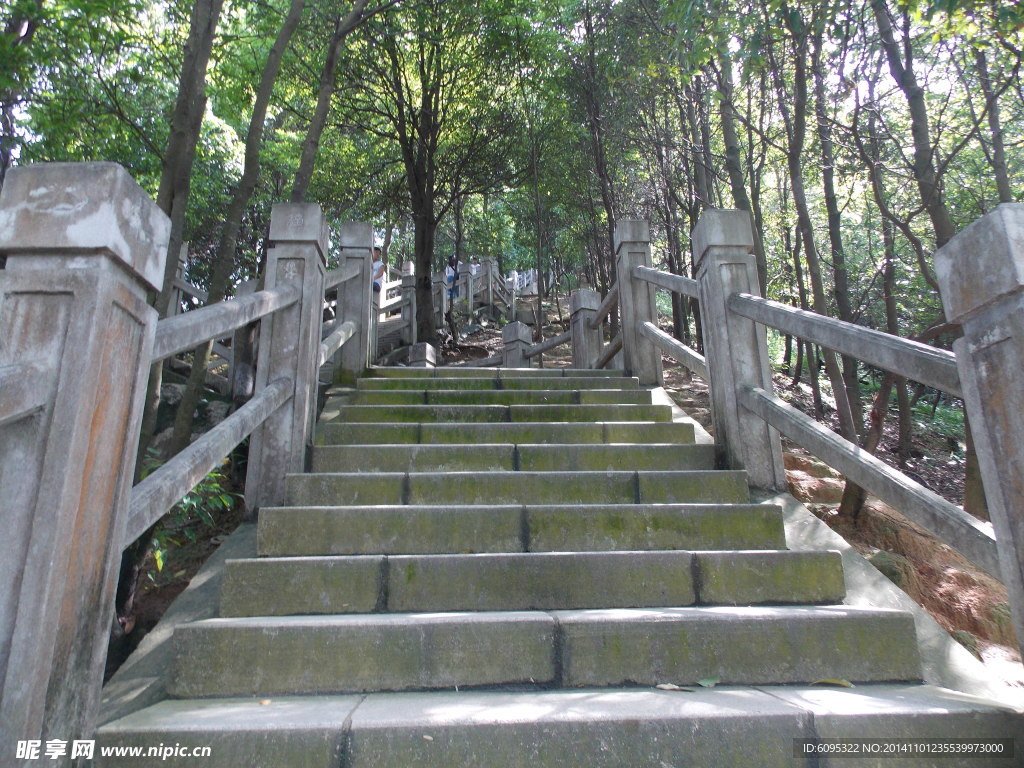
(795, 120)
(311, 143)
(733, 167)
(176, 179)
(224, 265)
(929, 184)
(995, 126)
(841, 289)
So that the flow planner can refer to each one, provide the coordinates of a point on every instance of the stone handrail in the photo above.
(987, 299)
(190, 289)
(84, 248)
(162, 489)
(678, 283)
(610, 302)
(336, 277)
(335, 340)
(686, 356)
(905, 357)
(22, 392)
(965, 533)
(190, 329)
(548, 344)
(609, 352)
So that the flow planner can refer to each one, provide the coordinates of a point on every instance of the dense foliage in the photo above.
(860, 136)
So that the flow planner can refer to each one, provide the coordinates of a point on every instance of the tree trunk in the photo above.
(796, 128)
(224, 265)
(839, 273)
(902, 70)
(995, 129)
(311, 143)
(929, 184)
(737, 184)
(175, 181)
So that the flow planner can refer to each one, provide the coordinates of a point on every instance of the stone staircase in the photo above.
(500, 568)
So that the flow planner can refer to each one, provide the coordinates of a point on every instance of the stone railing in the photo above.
(84, 246)
(981, 278)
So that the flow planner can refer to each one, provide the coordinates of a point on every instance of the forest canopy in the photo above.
(859, 136)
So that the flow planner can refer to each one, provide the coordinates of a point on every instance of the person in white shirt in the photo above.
(379, 269)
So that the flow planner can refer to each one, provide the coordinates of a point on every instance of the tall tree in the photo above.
(434, 81)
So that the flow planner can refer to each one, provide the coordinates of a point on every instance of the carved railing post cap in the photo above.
(584, 298)
(516, 331)
(631, 231)
(722, 227)
(72, 208)
(983, 262)
(299, 223)
(356, 234)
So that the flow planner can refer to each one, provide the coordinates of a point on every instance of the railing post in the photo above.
(354, 300)
(636, 300)
(981, 275)
(736, 349)
(440, 284)
(289, 349)
(586, 342)
(516, 337)
(408, 304)
(490, 269)
(84, 244)
(422, 355)
(179, 274)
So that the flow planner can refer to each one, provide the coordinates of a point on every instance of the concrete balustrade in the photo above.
(516, 338)
(586, 340)
(84, 246)
(356, 241)
(289, 349)
(737, 348)
(981, 273)
(636, 300)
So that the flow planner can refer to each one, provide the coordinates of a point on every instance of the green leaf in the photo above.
(708, 682)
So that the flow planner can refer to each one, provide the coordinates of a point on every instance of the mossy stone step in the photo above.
(492, 373)
(289, 586)
(501, 397)
(508, 383)
(502, 413)
(452, 529)
(521, 432)
(613, 727)
(623, 487)
(368, 652)
(268, 656)
(498, 456)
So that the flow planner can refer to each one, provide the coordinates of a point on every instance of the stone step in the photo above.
(521, 432)
(622, 487)
(509, 457)
(282, 655)
(501, 397)
(289, 586)
(453, 529)
(492, 373)
(612, 727)
(509, 383)
(502, 413)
